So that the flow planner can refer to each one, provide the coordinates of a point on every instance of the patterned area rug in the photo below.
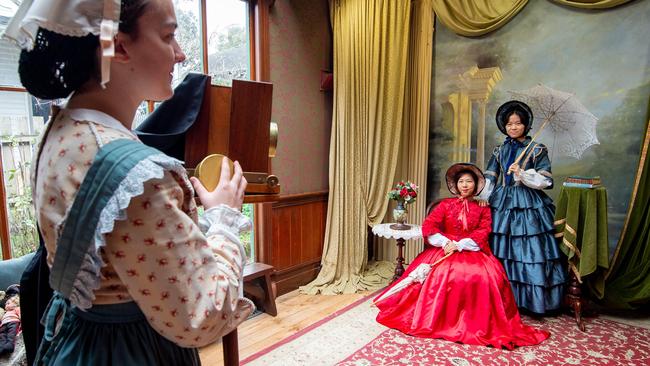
(325, 342)
(353, 337)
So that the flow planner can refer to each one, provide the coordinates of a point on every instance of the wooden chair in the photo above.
(258, 287)
(429, 209)
(431, 206)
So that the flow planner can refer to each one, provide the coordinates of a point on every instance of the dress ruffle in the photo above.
(518, 196)
(523, 239)
(547, 274)
(524, 222)
(538, 299)
(537, 248)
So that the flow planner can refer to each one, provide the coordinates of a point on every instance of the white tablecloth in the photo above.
(385, 231)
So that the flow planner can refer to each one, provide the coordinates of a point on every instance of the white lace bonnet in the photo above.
(76, 18)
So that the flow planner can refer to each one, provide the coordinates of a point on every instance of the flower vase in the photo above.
(399, 214)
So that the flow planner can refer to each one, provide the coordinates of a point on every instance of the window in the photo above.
(227, 48)
(22, 118)
(189, 37)
(224, 53)
(228, 43)
(228, 57)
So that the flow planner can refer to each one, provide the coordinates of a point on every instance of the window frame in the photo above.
(5, 237)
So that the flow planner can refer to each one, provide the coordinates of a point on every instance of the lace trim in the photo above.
(89, 276)
(225, 216)
(26, 35)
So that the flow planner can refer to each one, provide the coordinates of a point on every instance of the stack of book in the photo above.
(582, 182)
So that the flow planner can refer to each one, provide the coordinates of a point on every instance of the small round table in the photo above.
(384, 230)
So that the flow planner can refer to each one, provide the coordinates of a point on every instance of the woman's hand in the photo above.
(450, 247)
(514, 168)
(229, 191)
(481, 202)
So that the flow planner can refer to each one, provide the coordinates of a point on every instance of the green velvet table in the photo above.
(581, 227)
(581, 223)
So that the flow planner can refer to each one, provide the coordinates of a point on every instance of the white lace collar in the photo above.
(83, 114)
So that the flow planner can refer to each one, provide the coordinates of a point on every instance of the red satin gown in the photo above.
(467, 297)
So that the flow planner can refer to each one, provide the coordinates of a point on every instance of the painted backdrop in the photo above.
(601, 56)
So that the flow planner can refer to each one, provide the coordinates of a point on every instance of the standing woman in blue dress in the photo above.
(522, 214)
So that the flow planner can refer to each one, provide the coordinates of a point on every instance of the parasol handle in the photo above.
(374, 303)
(442, 259)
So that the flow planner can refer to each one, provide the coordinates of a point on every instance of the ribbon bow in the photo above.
(512, 155)
(462, 215)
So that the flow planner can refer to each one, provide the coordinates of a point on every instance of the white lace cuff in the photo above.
(487, 191)
(532, 179)
(467, 244)
(437, 240)
(223, 217)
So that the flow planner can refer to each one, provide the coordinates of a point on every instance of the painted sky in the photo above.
(556, 45)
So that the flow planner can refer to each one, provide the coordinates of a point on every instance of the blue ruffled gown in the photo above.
(523, 231)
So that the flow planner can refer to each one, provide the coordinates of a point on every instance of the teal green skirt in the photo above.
(116, 334)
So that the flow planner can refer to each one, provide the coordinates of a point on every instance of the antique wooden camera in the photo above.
(236, 122)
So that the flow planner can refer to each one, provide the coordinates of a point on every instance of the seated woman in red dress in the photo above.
(466, 297)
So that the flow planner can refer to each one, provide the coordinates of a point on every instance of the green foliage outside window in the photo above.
(231, 59)
(22, 230)
(247, 237)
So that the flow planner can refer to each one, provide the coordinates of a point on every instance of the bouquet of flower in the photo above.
(404, 192)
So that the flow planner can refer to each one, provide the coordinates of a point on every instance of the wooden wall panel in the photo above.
(308, 213)
(281, 219)
(295, 245)
(297, 220)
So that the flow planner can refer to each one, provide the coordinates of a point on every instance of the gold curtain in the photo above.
(370, 54)
(592, 4)
(476, 17)
(414, 152)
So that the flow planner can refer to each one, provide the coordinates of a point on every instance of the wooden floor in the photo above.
(295, 312)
